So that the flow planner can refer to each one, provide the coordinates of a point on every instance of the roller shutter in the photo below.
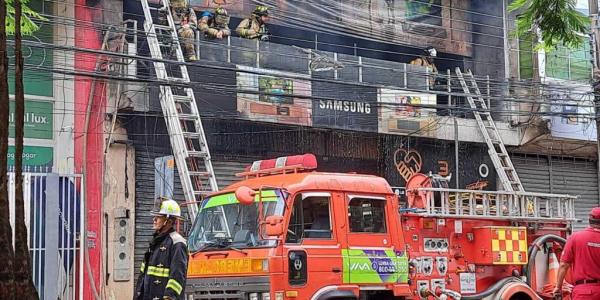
(562, 176)
(224, 170)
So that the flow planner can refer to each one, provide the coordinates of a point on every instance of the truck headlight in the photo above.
(266, 296)
(253, 296)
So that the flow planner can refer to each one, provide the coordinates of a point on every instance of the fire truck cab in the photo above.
(288, 233)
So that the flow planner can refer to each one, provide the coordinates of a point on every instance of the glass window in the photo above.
(570, 64)
(526, 56)
(223, 222)
(367, 215)
(424, 11)
(310, 219)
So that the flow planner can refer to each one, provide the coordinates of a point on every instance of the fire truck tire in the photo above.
(334, 294)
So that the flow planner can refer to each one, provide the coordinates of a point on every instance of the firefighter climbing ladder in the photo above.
(496, 149)
(178, 103)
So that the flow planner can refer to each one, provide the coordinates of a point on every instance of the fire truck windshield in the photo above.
(223, 222)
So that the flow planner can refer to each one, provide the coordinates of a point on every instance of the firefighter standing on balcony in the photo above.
(185, 21)
(255, 27)
(426, 60)
(164, 269)
(582, 256)
(215, 25)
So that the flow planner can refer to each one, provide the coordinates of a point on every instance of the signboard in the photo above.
(37, 81)
(38, 119)
(572, 121)
(345, 106)
(274, 98)
(33, 156)
(403, 112)
(407, 156)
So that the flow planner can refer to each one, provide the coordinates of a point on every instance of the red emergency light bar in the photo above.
(281, 165)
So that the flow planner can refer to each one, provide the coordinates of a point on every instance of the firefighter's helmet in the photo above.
(430, 51)
(221, 16)
(168, 208)
(261, 11)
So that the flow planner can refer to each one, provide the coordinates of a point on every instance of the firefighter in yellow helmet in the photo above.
(426, 60)
(163, 271)
(255, 27)
(215, 25)
(185, 21)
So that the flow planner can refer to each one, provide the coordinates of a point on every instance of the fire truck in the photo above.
(286, 231)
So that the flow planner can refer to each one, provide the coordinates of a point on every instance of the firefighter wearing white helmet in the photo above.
(164, 269)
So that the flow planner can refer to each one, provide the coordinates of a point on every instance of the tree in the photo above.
(7, 290)
(558, 22)
(22, 15)
(22, 262)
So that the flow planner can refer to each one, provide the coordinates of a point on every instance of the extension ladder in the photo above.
(496, 149)
(178, 103)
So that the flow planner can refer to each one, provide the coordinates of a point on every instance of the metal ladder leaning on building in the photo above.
(178, 103)
(496, 149)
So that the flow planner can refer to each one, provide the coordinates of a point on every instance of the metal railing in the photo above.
(533, 207)
(53, 216)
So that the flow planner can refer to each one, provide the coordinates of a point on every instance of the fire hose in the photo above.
(492, 289)
(533, 250)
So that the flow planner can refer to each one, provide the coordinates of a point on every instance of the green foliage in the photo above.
(28, 16)
(557, 20)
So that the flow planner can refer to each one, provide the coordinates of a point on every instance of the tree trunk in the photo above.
(7, 290)
(22, 262)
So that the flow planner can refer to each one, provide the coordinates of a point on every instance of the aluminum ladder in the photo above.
(178, 104)
(496, 149)
(498, 205)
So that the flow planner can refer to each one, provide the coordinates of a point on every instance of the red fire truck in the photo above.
(288, 232)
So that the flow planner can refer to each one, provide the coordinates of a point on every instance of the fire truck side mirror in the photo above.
(245, 195)
(274, 226)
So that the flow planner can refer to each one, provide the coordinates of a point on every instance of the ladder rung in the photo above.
(178, 79)
(202, 193)
(194, 153)
(199, 174)
(188, 117)
(182, 98)
(192, 135)
(163, 27)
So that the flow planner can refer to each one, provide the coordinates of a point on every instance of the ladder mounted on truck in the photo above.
(496, 149)
(179, 108)
(501, 205)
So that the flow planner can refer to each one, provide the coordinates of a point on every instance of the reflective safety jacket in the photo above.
(250, 28)
(163, 272)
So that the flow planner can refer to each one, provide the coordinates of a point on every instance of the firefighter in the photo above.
(215, 25)
(255, 27)
(185, 21)
(426, 60)
(164, 269)
(582, 256)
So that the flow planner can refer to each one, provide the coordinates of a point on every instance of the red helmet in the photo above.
(595, 215)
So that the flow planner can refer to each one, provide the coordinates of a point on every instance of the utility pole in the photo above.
(595, 41)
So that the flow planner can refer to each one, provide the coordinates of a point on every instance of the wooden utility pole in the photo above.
(7, 290)
(22, 262)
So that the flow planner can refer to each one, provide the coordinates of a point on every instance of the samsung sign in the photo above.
(344, 107)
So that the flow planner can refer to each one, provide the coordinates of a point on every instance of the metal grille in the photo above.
(53, 216)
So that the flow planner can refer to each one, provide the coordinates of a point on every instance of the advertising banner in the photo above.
(403, 112)
(38, 119)
(274, 98)
(405, 156)
(33, 156)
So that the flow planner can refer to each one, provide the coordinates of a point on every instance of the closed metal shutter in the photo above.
(561, 176)
(224, 170)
